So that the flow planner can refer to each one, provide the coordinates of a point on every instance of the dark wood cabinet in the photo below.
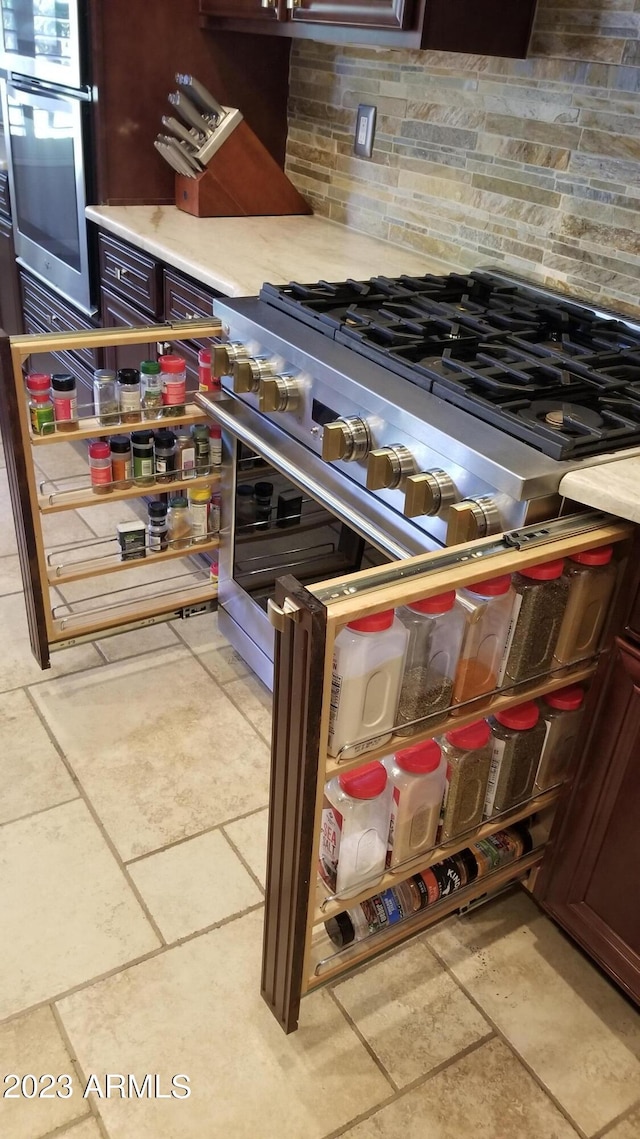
(10, 307)
(131, 273)
(119, 313)
(46, 311)
(242, 9)
(353, 14)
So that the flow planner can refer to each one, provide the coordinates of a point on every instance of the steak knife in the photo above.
(181, 152)
(175, 127)
(170, 158)
(188, 112)
(198, 92)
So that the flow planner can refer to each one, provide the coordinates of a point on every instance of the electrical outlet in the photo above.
(365, 130)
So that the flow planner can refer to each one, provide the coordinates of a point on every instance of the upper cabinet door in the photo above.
(354, 13)
(243, 9)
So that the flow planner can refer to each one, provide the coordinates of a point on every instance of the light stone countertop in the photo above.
(237, 255)
(612, 486)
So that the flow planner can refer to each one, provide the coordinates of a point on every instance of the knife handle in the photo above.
(176, 128)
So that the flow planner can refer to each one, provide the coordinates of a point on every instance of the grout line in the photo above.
(41, 810)
(196, 834)
(608, 1127)
(363, 1040)
(243, 860)
(93, 1109)
(67, 1128)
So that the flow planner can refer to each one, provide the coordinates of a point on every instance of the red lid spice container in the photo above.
(468, 755)
(436, 627)
(561, 713)
(100, 466)
(591, 577)
(40, 404)
(541, 594)
(174, 384)
(487, 607)
(517, 739)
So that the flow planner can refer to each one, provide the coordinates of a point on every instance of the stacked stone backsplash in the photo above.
(534, 164)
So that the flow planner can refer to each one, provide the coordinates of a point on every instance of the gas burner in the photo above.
(570, 418)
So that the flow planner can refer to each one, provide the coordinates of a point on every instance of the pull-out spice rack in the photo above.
(53, 625)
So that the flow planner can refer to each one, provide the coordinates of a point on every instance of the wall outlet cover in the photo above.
(365, 130)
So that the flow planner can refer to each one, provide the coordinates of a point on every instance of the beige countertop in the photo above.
(237, 255)
(613, 486)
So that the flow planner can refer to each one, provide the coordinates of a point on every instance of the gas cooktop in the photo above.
(551, 372)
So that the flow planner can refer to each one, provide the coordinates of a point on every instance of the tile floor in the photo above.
(134, 781)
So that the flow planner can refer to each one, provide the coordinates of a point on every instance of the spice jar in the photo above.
(121, 461)
(100, 466)
(541, 594)
(179, 522)
(186, 456)
(263, 492)
(215, 446)
(561, 713)
(435, 626)
(129, 395)
(105, 397)
(158, 529)
(200, 436)
(151, 389)
(205, 379)
(245, 506)
(65, 402)
(40, 403)
(368, 658)
(174, 384)
(166, 446)
(591, 577)
(517, 739)
(417, 776)
(214, 514)
(487, 607)
(143, 457)
(355, 826)
(468, 755)
(199, 499)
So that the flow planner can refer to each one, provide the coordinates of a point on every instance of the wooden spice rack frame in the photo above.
(48, 631)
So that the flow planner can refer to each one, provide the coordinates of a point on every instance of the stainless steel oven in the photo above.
(43, 39)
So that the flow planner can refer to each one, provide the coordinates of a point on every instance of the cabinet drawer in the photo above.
(130, 273)
(5, 203)
(185, 299)
(44, 311)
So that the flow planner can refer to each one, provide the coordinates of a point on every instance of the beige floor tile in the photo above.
(254, 699)
(571, 1026)
(57, 460)
(194, 884)
(250, 837)
(17, 663)
(197, 1009)
(201, 633)
(8, 544)
(32, 775)
(103, 519)
(33, 1044)
(87, 1129)
(64, 529)
(10, 577)
(124, 645)
(224, 664)
(137, 580)
(486, 1095)
(68, 913)
(628, 1129)
(411, 1012)
(160, 750)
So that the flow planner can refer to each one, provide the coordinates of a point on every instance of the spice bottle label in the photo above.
(142, 467)
(173, 392)
(101, 475)
(188, 462)
(129, 400)
(395, 804)
(65, 409)
(497, 756)
(330, 844)
(513, 621)
(41, 419)
(334, 705)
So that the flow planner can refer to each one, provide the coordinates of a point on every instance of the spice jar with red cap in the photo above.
(487, 607)
(100, 466)
(540, 600)
(355, 826)
(591, 576)
(517, 736)
(435, 626)
(40, 403)
(561, 713)
(468, 754)
(173, 370)
(417, 776)
(368, 660)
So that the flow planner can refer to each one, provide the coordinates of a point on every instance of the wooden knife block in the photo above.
(241, 180)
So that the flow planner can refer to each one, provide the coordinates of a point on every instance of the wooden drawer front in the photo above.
(46, 312)
(5, 204)
(185, 299)
(130, 273)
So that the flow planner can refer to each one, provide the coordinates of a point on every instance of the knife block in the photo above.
(241, 180)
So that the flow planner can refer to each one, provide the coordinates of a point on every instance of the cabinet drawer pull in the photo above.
(55, 321)
(291, 4)
(121, 273)
(268, 3)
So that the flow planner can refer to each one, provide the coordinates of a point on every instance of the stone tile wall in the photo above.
(533, 163)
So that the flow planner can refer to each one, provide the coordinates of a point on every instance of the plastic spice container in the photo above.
(129, 395)
(100, 466)
(417, 776)
(174, 384)
(143, 457)
(158, 529)
(215, 446)
(65, 402)
(468, 755)
(517, 739)
(541, 594)
(200, 436)
(368, 658)
(355, 826)
(179, 521)
(186, 456)
(435, 626)
(151, 389)
(121, 461)
(199, 499)
(561, 713)
(105, 397)
(591, 578)
(487, 608)
(40, 403)
(166, 446)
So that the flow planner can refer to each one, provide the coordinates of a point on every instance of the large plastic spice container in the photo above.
(417, 776)
(435, 626)
(368, 659)
(355, 826)
(591, 576)
(561, 713)
(541, 594)
(468, 755)
(517, 739)
(487, 608)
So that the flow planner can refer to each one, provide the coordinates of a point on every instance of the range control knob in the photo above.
(347, 439)
(248, 373)
(388, 466)
(223, 357)
(279, 393)
(430, 492)
(472, 518)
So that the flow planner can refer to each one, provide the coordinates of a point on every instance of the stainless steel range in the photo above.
(365, 421)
